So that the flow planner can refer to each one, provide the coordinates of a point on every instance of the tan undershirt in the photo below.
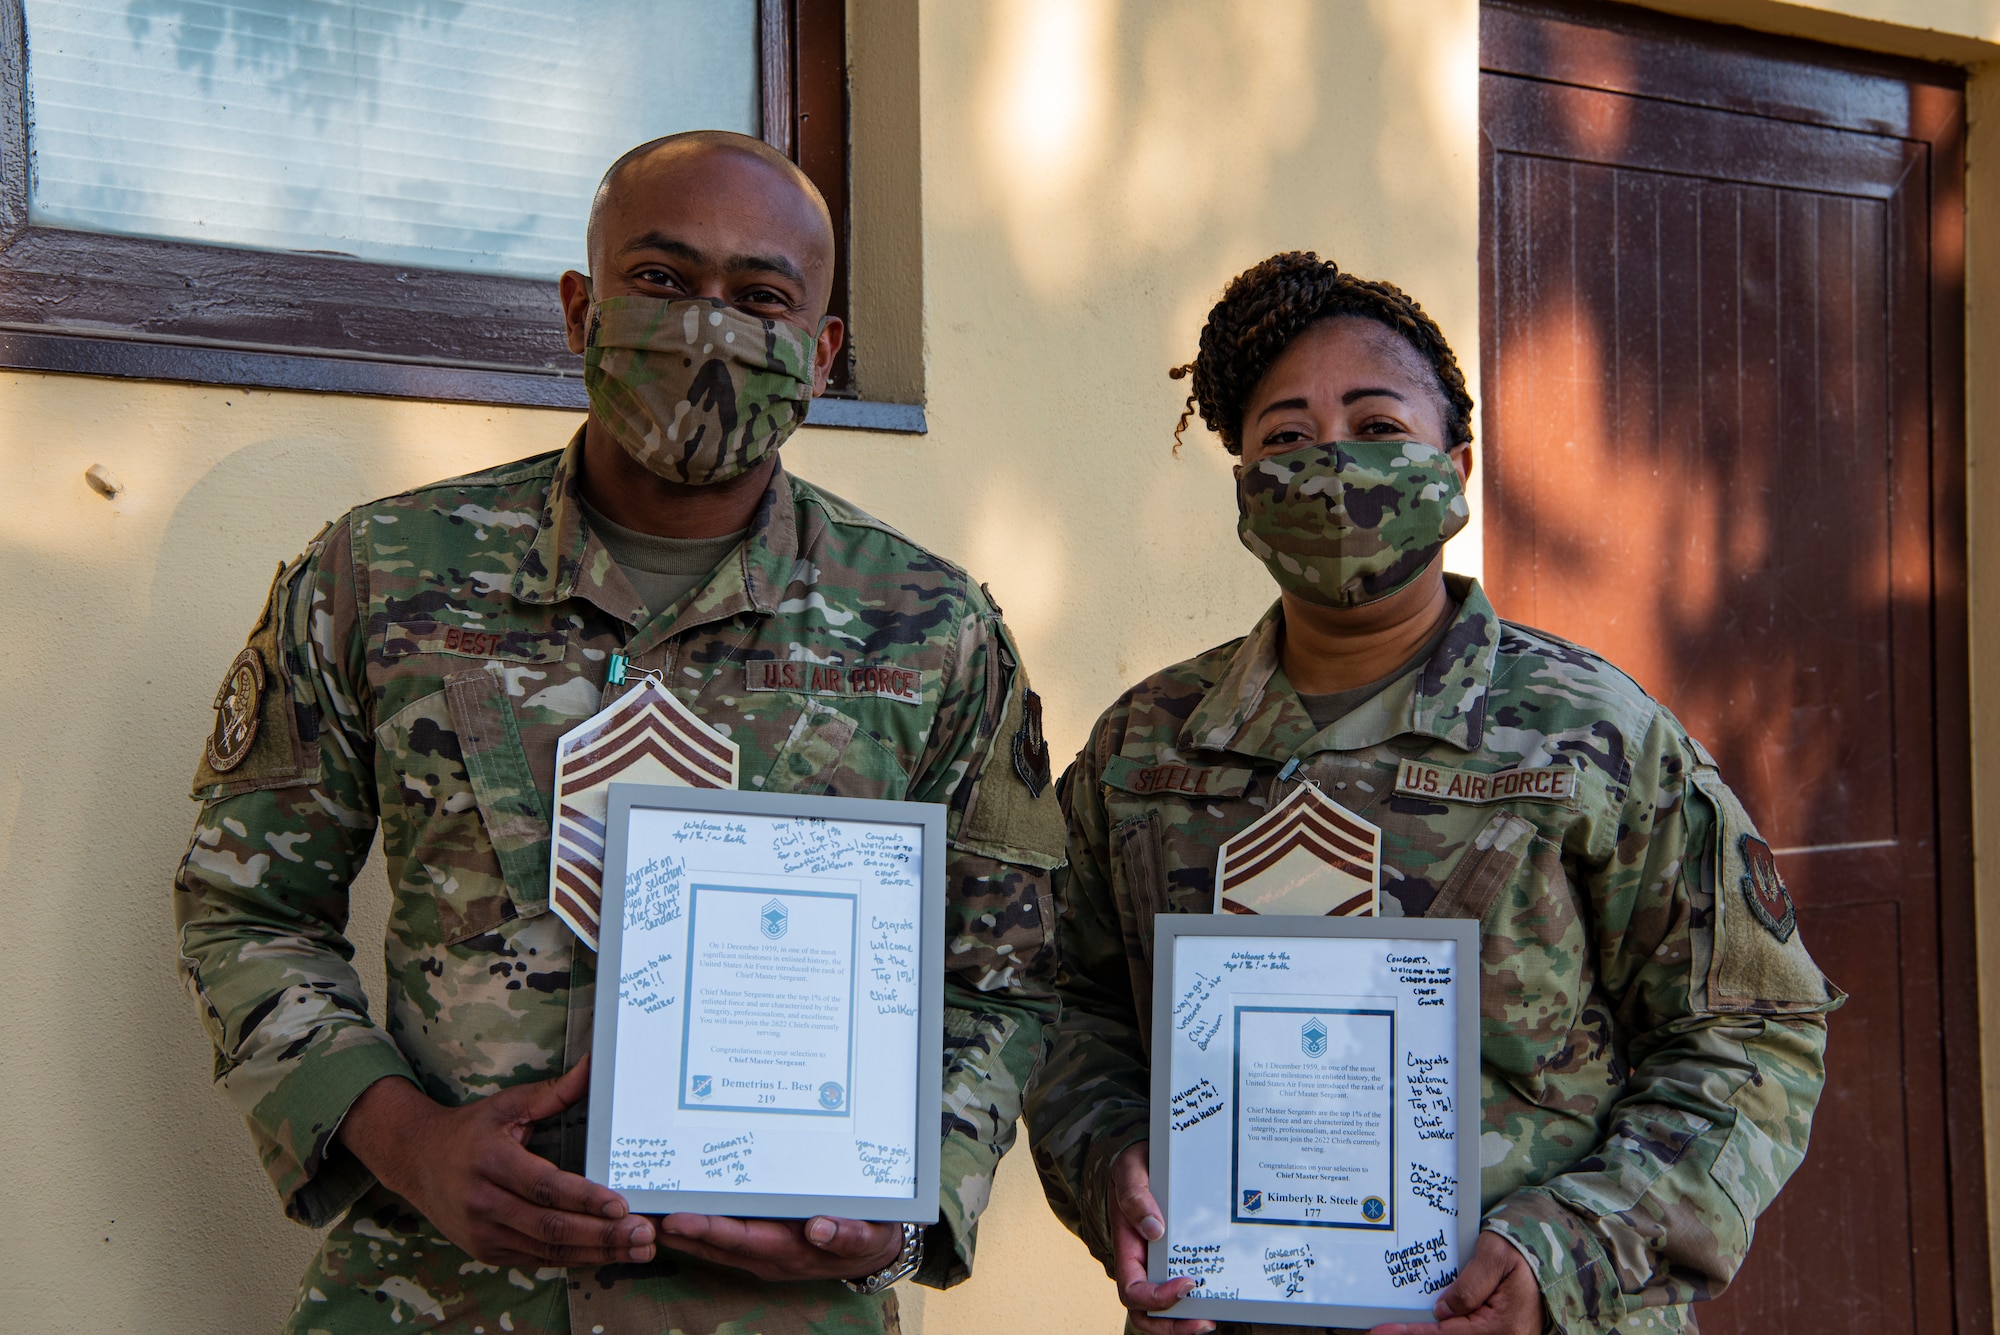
(1326, 710)
(662, 571)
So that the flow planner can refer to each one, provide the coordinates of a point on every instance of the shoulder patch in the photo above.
(1759, 963)
(1764, 890)
(266, 729)
(1010, 812)
(1031, 748)
(236, 712)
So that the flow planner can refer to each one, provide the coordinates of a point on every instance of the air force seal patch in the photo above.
(1764, 890)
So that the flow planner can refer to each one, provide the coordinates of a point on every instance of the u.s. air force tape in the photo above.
(1538, 783)
(878, 681)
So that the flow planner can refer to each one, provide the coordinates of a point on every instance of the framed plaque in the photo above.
(1309, 1076)
(770, 1005)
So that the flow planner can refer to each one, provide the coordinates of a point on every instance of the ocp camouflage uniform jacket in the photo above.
(1650, 1052)
(421, 659)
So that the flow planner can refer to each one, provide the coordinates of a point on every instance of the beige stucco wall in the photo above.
(1090, 173)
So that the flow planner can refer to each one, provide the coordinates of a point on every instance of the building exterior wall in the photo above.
(1090, 174)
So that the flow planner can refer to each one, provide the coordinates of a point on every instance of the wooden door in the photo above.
(1722, 341)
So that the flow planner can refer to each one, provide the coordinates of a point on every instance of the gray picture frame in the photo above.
(922, 1206)
(1169, 929)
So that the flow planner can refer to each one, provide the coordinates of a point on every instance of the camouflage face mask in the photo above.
(696, 391)
(1351, 522)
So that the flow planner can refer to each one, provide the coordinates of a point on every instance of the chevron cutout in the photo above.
(1308, 855)
(646, 736)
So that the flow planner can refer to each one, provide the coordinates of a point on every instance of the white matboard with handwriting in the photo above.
(1309, 1079)
(769, 1005)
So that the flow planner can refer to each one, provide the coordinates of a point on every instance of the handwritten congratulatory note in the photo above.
(1312, 1155)
(762, 959)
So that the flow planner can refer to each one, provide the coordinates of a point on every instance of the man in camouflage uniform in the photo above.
(415, 667)
(1652, 1028)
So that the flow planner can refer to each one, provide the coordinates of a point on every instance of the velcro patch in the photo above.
(1764, 889)
(1536, 783)
(849, 681)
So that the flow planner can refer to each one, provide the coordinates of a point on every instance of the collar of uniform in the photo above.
(553, 565)
(1253, 710)
(752, 579)
(565, 560)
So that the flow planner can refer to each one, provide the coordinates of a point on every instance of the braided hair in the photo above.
(1271, 303)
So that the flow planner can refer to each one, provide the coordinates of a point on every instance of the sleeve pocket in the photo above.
(514, 808)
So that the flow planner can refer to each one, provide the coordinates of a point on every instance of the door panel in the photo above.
(1709, 302)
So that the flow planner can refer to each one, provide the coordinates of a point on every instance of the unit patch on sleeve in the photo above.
(1031, 748)
(878, 681)
(236, 713)
(1770, 903)
(1538, 783)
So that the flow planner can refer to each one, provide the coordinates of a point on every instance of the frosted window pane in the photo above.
(445, 134)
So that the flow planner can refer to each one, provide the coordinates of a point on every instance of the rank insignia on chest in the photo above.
(1307, 855)
(1770, 902)
(646, 736)
(236, 713)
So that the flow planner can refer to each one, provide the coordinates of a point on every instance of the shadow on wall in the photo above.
(136, 1186)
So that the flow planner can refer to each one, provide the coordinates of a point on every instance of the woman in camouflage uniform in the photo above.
(1652, 1027)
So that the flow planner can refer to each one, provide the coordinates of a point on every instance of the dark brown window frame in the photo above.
(92, 303)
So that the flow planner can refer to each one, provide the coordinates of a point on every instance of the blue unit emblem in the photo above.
(1372, 1209)
(1253, 1200)
(702, 1085)
(831, 1095)
(776, 919)
(1313, 1038)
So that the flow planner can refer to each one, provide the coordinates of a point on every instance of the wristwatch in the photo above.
(901, 1266)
